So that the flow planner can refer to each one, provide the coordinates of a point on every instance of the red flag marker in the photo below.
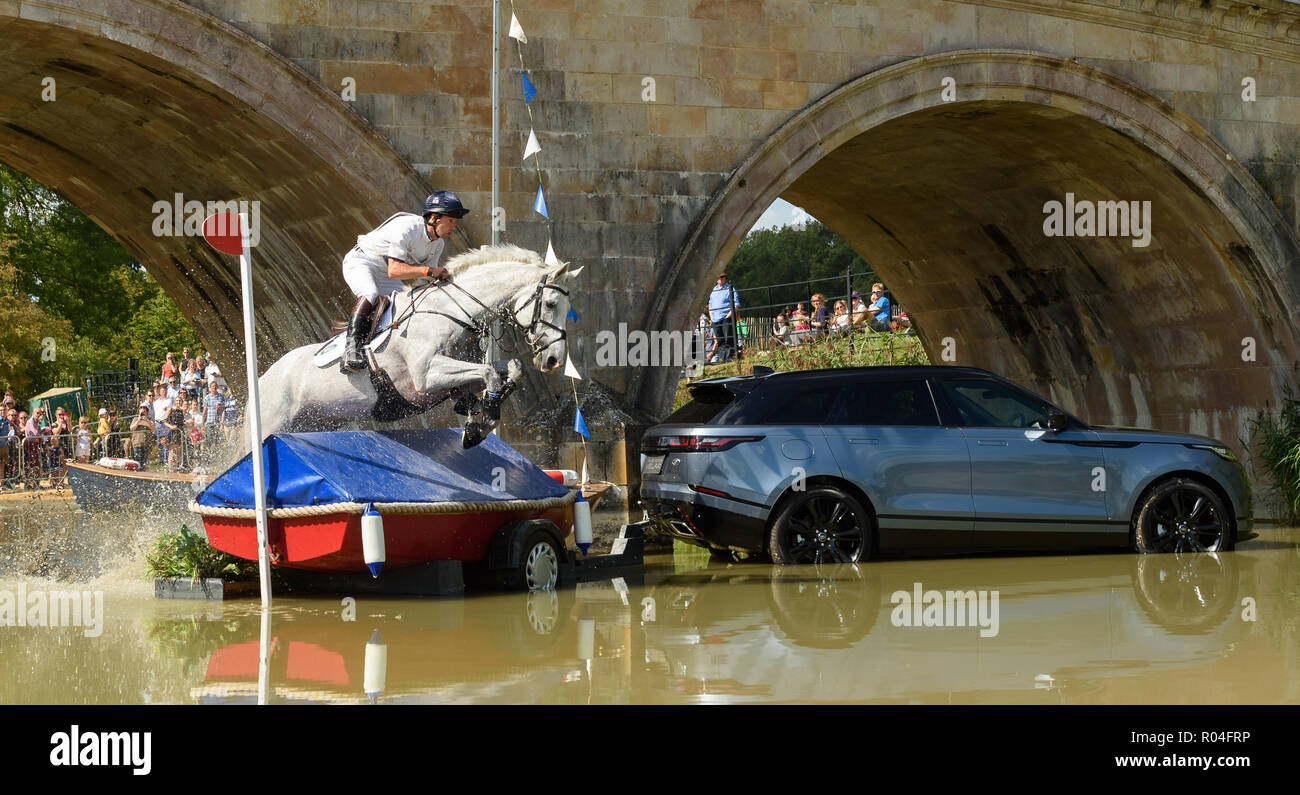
(222, 232)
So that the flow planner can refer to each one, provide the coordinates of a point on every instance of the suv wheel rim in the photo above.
(1184, 520)
(825, 530)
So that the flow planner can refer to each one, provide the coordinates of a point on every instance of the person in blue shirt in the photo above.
(214, 410)
(879, 308)
(722, 310)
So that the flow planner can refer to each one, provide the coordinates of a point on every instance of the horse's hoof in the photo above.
(473, 435)
(463, 405)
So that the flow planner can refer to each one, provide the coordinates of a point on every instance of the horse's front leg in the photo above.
(514, 373)
(484, 415)
(444, 375)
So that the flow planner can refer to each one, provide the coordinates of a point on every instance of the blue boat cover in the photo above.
(380, 466)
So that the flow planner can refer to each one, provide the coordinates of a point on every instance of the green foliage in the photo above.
(62, 277)
(796, 254)
(154, 329)
(187, 554)
(1277, 438)
(23, 327)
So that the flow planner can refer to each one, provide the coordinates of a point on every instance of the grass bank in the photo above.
(860, 350)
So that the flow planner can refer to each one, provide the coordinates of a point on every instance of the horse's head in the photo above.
(542, 310)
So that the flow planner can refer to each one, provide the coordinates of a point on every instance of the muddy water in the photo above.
(1111, 628)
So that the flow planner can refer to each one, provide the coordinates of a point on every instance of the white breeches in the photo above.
(368, 278)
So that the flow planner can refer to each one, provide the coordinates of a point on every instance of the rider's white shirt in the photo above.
(365, 268)
(401, 237)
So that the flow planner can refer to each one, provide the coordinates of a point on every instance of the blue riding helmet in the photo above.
(444, 202)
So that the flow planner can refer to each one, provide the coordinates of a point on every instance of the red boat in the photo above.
(435, 501)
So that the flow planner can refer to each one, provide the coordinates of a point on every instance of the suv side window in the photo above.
(983, 403)
(887, 403)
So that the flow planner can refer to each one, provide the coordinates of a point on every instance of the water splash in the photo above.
(53, 543)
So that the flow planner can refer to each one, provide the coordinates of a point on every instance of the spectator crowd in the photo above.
(175, 424)
(795, 325)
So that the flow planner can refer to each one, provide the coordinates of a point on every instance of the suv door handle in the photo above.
(864, 441)
(992, 442)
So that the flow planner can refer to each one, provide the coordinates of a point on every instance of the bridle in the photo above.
(531, 335)
(482, 326)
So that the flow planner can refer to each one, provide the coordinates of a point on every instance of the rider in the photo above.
(405, 246)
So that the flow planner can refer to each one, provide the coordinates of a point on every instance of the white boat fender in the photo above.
(586, 637)
(582, 523)
(372, 539)
(375, 673)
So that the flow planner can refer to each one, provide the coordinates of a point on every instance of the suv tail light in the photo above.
(703, 444)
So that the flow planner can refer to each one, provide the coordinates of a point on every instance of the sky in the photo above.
(780, 213)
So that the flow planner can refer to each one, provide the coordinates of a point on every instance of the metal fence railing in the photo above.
(40, 462)
(754, 326)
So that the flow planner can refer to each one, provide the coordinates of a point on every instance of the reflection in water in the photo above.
(1080, 629)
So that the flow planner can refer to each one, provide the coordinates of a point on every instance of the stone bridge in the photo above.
(930, 134)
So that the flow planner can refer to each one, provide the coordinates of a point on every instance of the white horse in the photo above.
(507, 283)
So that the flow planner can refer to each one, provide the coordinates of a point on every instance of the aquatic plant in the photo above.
(1277, 440)
(187, 554)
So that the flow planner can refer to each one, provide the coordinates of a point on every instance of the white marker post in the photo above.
(254, 410)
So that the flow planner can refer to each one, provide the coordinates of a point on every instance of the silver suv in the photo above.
(831, 465)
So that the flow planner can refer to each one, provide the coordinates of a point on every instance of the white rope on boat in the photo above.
(358, 508)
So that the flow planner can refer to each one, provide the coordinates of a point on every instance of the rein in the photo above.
(481, 326)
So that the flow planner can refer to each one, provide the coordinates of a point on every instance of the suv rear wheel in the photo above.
(821, 525)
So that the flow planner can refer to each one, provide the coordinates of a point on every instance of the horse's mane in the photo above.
(489, 254)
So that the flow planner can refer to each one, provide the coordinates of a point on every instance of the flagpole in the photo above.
(253, 410)
(492, 352)
(496, 120)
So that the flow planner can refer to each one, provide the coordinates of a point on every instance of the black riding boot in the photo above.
(358, 325)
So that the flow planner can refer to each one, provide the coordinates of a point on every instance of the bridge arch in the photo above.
(945, 200)
(152, 93)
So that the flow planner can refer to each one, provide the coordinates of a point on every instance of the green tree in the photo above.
(810, 254)
(63, 277)
(154, 329)
(24, 328)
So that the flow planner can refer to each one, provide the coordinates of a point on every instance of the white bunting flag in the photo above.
(551, 259)
(532, 147)
(517, 30)
(569, 369)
